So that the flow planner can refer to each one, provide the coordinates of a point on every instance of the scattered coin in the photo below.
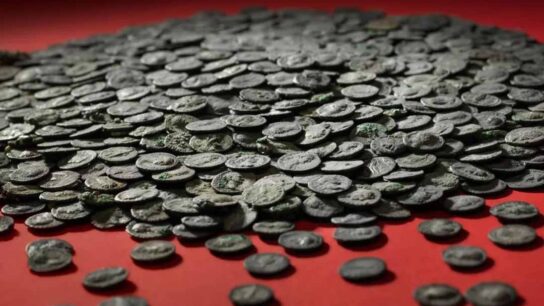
(492, 294)
(459, 256)
(251, 295)
(439, 228)
(512, 235)
(300, 241)
(363, 269)
(105, 278)
(152, 251)
(438, 295)
(266, 264)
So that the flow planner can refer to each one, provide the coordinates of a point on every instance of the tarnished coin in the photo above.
(440, 228)
(459, 256)
(41, 221)
(153, 251)
(262, 195)
(363, 269)
(266, 264)
(438, 295)
(48, 260)
(251, 295)
(357, 235)
(6, 224)
(300, 241)
(272, 228)
(125, 301)
(329, 184)
(514, 211)
(229, 244)
(105, 278)
(492, 294)
(512, 235)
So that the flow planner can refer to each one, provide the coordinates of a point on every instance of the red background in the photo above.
(198, 278)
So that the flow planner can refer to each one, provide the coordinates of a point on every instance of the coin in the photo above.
(229, 244)
(357, 235)
(514, 211)
(251, 295)
(363, 269)
(492, 293)
(438, 295)
(266, 264)
(439, 228)
(512, 235)
(49, 260)
(125, 301)
(459, 256)
(152, 251)
(105, 278)
(300, 241)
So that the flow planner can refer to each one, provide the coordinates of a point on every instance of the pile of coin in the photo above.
(208, 126)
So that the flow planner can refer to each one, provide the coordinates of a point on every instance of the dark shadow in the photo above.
(124, 288)
(520, 301)
(283, 274)
(462, 235)
(306, 225)
(52, 232)
(275, 302)
(139, 240)
(477, 214)
(241, 255)
(373, 244)
(535, 222)
(162, 264)
(270, 240)
(192, 243)
(386, 278)
(310, 253)
(537, 243)
(501, 194)
(383, 221)
(9, 235)
(485, 266)
(66, 270)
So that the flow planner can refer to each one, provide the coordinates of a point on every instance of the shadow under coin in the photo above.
(162, 264)
(125, 288)
(9, 235)
(307, 254)
(236, 256)
(485, 266)
(377, 243)
(462, 235)
(386, 278)
(283, 274)
(72, 268)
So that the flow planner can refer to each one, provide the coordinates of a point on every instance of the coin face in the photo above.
(105, 278)
(362, 269)
(228, 244)
(300, 241)
(438, 295)
(464, 256)
(514, 211)
(492, 293)
(266, 264)
(251, 295)
(440, 228)
(512, 235)
(152, 251)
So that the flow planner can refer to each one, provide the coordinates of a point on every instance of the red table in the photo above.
(197, 278)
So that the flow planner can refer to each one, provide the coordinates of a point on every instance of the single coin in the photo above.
(125, 301)
(229, 244)
(105, 278)
(463, 203)
(153, 251)
(363, 269)
(459, 256)
(492, 294)
(251, 295)
(272, 228)
(6, 224)
(262, 195)
(266, 264)
(514, 211)
(440, 228)
(48, 260)
(300, 241)
(41, 221)
(438, 295)
(357, 235)
(329, 184)
(512, 235)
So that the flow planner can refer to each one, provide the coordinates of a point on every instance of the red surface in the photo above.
(197, 278)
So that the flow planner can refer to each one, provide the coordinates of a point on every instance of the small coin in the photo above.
(492, 294)
(6, 224)
(105, 278)
(251, 295)
(438, 295)
(153, 251)
(463, 203)
(459, 256)
(514, 211)
(363, 269)
(272, 228)
(440, 228)
(48, 260)
(229, 244)
(357, 235)
(266, 264)
(300, 241)
(512, 235)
